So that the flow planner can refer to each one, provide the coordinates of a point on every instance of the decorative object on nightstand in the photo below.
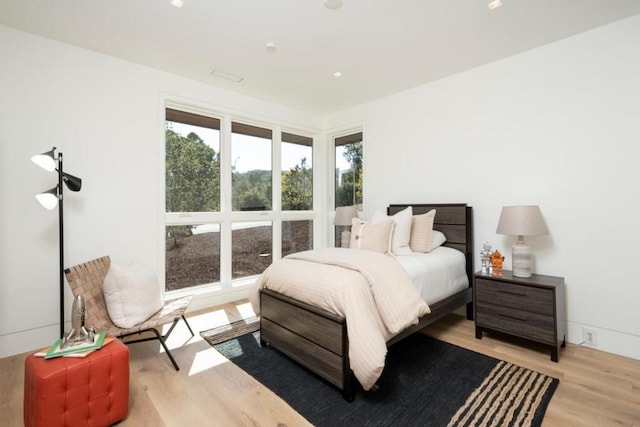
(521, 221)
(530, 308)
(344, 215)
(485, 258)
(496, 263)
(49, 199)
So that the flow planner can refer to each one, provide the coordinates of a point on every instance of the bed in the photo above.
(318, 339)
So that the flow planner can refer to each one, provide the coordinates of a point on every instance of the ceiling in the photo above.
(380, 47)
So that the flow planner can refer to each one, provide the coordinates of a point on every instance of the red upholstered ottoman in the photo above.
(68, 391)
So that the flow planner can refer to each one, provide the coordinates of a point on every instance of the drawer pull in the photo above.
(513, 317)
(512, 293)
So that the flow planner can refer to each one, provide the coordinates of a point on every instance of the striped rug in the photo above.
(510, 395)
(235, 329)
(426, 382)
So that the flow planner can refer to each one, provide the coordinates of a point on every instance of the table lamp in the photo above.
(521, 221)
(344, 215)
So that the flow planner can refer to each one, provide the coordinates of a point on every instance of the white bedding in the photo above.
(437, 274)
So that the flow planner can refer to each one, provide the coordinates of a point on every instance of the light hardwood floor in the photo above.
(596, 388)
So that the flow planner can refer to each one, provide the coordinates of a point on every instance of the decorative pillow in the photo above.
(401, 230)
(373, 237)
(422, 232)
(437, 239)
(131, 293)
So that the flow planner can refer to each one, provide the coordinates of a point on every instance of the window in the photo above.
(297, 236)
(297, 172)
(251, 154)
(221, 225)
(192, 255)
(252, 247)
(348, 179)
(192, 162)
(192, 171)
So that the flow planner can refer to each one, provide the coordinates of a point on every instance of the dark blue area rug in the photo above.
(425, 382)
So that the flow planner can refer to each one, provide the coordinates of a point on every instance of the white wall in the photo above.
(558, 126)
(104, 114)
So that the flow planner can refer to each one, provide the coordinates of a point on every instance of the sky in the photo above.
(251, 153)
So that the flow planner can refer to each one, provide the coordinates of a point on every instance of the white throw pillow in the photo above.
(422, 232)
(437, 239)
(372, 237)
(401, 235)
(131, 294)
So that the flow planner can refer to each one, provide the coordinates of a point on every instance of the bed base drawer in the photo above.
(326, 332)
(313, 357)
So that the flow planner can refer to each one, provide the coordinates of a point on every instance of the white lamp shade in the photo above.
(48, 199)
(344, 215)
(521, 221)
(45, 160)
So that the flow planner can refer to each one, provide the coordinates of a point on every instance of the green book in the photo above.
(55, 351)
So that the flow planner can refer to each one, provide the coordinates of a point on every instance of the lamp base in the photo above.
(345, 239)
(521, 259)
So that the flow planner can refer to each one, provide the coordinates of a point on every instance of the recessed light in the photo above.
(494, 4)
(177, 3)
(271, 46)
(227, 76)
(333, 4)
(337, 74)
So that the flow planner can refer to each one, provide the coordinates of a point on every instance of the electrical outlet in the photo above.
(590, 337)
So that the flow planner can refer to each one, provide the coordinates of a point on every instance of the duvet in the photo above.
(371, 290)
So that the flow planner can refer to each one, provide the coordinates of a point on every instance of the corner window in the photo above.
(348, 172)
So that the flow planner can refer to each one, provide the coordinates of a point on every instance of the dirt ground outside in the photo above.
(194, 259)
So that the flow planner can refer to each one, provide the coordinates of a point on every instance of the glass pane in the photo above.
(192, 255)
(348, 182)
(251, 168)
(297, 236)
(297, 173)
(251, 248)
(192, 162)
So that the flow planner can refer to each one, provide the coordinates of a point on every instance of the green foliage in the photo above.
(297, 188)
(349, 192)
(252, 190)
(193, 181)
(192, 174)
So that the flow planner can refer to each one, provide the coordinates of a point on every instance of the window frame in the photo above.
(226, 216)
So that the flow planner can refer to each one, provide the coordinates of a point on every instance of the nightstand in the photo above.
(531, 308)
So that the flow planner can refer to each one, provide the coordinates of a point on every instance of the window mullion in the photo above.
(225, 202)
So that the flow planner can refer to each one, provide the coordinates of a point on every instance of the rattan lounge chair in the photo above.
(86, 279)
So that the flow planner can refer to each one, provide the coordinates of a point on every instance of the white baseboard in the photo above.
(39, 338)
(30, 340)
(610, 341)
(212, 299)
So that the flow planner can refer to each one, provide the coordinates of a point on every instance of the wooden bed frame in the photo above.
(317, 339)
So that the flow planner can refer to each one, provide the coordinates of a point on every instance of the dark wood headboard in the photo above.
(454, 220)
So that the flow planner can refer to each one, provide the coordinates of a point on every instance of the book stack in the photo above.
(82, 349)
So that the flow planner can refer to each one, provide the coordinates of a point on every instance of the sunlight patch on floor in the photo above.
(245, 310)
(206, 359)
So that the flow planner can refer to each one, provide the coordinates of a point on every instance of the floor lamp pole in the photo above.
(61, 242)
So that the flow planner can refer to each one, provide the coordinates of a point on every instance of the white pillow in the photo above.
(437, 239)
(422, 232)
(401, 230)
(131, 294)
(373, 237)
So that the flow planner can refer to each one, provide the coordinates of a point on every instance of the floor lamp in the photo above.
(49, 199)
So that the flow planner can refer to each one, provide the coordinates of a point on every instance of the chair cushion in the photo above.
(131, 293)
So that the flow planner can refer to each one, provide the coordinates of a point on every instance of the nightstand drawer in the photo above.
(524, 324)
(516, 296)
